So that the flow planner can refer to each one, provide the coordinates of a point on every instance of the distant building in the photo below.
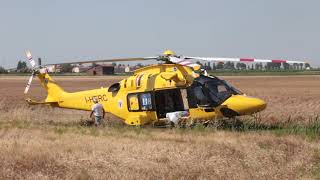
(99, 70)
(119, 69)
(76, 69)
(127, 69)
(52, 68)
(79, 69)
(122, 69)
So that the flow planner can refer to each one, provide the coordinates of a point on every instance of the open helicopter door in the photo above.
(170, 100)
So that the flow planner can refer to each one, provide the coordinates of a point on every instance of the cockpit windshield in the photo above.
(219, 89)
(236, 91)
(210, 91)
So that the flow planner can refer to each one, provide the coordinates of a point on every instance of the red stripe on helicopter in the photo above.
(246, 60)
(278, 61)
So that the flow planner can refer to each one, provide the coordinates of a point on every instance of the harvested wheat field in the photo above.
(47, 143)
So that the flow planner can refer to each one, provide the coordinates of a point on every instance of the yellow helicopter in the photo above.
(164, 92)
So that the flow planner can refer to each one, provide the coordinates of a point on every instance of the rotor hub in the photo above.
(169, 53)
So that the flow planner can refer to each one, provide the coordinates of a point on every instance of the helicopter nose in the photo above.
(244, 105)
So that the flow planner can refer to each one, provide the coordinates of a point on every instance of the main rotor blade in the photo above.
(219, 59)
(30, 59)
(29, 84)
(107, 60)
(184, 62)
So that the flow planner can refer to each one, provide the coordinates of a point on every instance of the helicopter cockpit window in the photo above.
(201, 98)
(218, 90)
(235, 90)
(222, 88)
(209, 91)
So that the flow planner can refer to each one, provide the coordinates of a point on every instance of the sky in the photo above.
(64, 30)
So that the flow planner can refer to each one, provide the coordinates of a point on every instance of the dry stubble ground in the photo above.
(45, 143)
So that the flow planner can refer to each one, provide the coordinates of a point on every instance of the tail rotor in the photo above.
(30, 59)
(29, 83)
(33, 65)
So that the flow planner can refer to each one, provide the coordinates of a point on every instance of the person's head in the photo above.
(95, 100)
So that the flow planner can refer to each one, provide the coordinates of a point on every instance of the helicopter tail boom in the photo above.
(54, 91)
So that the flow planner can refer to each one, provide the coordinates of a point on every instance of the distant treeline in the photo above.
(255, 66)
(218, 67)
(263, 72)
(2, 70)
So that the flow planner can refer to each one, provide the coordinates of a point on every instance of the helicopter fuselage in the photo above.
(154, 91)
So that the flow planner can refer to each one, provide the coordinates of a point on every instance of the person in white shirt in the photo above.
(98, 112)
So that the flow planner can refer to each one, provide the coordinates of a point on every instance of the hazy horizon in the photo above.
(58, 30)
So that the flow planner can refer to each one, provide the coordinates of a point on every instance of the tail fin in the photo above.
(53, 89)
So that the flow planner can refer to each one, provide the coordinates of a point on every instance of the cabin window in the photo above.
(146, 101)
(140, 102)
(133, 102)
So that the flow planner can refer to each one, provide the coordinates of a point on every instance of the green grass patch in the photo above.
(316, 167)
(60, 130)
(310, 130)
(94, 131)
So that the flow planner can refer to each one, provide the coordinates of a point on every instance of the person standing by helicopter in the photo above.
(98, 112)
